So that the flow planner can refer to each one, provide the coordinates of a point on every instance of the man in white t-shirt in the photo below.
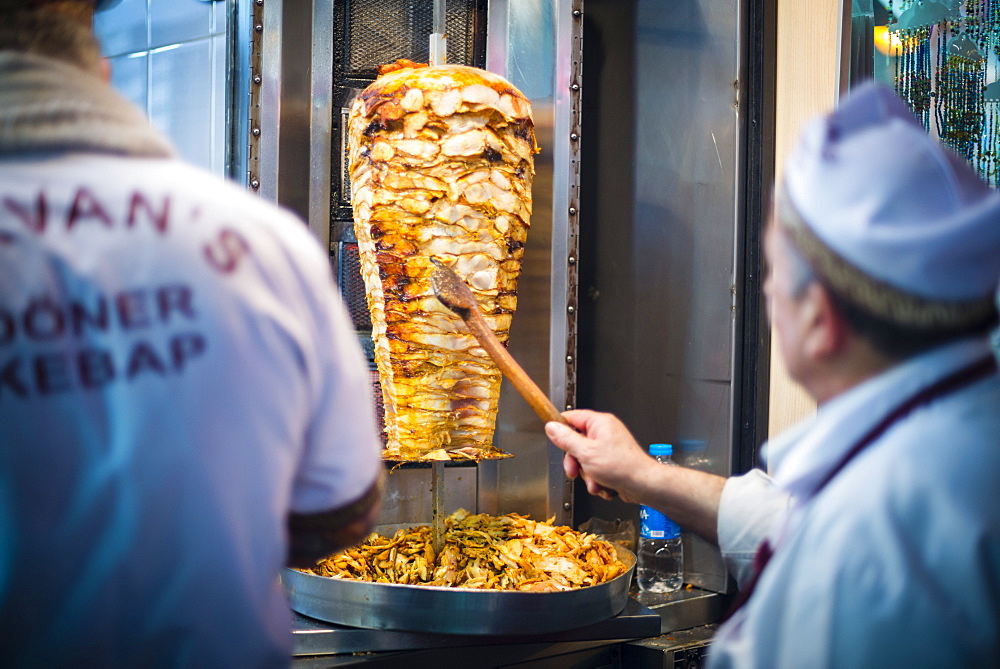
(877, 541)
(184, 407)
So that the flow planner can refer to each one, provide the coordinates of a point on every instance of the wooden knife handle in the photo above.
(538, 400)
(529, 390)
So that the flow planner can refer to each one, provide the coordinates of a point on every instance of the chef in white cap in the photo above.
(877, 541)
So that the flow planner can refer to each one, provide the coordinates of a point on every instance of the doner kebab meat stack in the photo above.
(441, 164)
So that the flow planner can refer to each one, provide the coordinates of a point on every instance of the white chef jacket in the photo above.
(177, 373)
(896, 562)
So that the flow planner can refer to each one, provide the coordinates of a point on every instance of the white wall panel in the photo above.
(169, 58)
(180, 98)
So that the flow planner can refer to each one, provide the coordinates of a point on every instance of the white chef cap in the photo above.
(891, 219)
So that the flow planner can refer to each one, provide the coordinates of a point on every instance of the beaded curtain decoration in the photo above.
(942, 72)
(960, 75)
(913, 71)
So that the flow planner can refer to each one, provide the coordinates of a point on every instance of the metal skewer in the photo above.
(437, 505)
(438, 56)
(439, 39)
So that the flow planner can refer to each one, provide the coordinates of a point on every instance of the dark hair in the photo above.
(51, 34)
(902, 341)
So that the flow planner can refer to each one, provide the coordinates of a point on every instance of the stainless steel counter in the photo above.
(645, 616)
(685, 608)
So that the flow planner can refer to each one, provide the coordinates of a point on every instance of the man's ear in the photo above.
(824, 329)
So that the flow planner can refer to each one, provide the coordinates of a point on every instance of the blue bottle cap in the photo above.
(661, 449)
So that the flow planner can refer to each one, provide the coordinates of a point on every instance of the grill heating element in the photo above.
(352, 287)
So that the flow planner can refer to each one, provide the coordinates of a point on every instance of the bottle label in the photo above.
(654, 525)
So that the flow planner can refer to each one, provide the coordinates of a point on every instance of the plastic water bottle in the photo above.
(660, 567)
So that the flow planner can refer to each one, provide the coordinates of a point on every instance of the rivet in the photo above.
(569, 358)
(567, 506)
(259, 28)
(260, 2)
(571, 260)
(574, 87)
(255, 132)
(255, 184)
(571, 309)
(569, 407)
(577, 13)
(573, 136)
(572, 211)
(257, 79)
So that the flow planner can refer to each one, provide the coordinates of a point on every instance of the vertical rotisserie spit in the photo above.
(441, 164)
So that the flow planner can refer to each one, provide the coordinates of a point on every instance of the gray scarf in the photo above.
(50, 106)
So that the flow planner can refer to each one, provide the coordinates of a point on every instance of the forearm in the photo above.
(688, 496)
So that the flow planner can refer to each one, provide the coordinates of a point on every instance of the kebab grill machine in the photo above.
(309, 61)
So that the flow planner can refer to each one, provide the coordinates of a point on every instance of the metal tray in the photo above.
(425, 608)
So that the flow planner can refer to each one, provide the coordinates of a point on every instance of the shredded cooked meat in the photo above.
(441, 165)
(509, 552)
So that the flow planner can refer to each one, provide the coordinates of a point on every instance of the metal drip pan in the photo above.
(424, 608)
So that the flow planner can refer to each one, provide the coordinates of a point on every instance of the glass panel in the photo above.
(862, 40)
(686, 153)
(531, 34)
(171, 82)
(181, 98)
(122, 29)
(173, 21)
(219, 16)
(129, 76)
(219, 44)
